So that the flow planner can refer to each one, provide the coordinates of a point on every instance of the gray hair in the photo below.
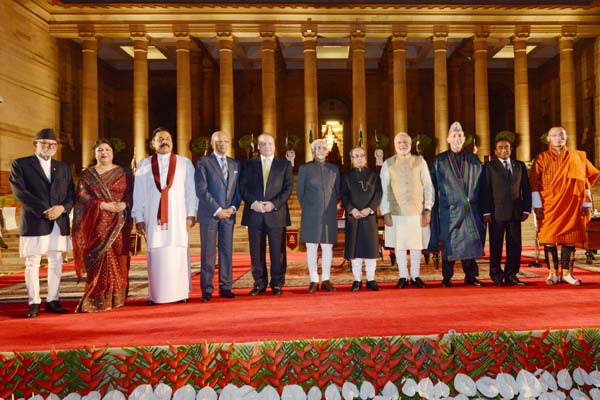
(316, 142)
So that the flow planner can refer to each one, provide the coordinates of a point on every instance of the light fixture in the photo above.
(332, 122)
(333, 52)
(509, 52)
(153, 52)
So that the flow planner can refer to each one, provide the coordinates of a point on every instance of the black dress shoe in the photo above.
(497, 282)
(256, 291)
(356, 285)
(54, 307)
(150, 303)
(418, 282)
(402, 283)
(33, 311)
(228, 294)
(446, 283)
(205, 297)
(327, 286)
(513, 280)
(314, 286)
(372, 285)
(183, 301)
(473, 282)
(277, 291)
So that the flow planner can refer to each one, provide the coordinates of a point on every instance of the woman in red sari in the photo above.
(101, 228)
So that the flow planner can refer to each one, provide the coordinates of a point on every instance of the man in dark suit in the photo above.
(506, 202)
(217, 189)
(266, 185)
(46, 191)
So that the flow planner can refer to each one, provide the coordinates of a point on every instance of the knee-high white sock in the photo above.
(402, 261)
(415, 263)
(327, 253)
(357, 268)
(311, 261)
(370, 264)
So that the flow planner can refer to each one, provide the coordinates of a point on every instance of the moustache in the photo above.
(165, 145)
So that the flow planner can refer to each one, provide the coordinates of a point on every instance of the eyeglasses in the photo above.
(47, 144)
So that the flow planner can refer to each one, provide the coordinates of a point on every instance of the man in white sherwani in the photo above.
(164, 209)
(406, 207)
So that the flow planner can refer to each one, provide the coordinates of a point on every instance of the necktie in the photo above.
(265, 170)
(507, 167)
(224, 167)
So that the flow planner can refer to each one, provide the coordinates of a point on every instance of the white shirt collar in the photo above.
(263, 158)
(163, 156)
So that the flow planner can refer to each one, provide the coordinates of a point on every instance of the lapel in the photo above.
(35, 163)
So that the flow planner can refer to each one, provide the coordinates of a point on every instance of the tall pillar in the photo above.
(226, 102)
(184, 94)
(269, 95)
(597, 100)
(522, 95)
(140, 93)
(568, 118)
(359, 101)
(89, 96)
(482, 110)
(455, 93)
(440, 91)
(197, 90)
(311, 105)
(208, 97)
(399, 82)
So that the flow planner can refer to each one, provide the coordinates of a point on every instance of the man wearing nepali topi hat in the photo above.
(45, 189)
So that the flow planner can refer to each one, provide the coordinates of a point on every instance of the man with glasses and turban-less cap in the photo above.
(456, 221)
(46, 191)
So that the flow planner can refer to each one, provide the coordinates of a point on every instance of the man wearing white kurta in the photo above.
(165, 218)
(406, 207)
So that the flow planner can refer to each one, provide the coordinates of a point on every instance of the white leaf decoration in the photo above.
(114, 395)
(461, 397)
(487, 386)
(268, 393)
(314, 393)
(52, 396)
(579, 376)
(74, 396)
(293, 392)
(93, 395)
(548, 396)
(163, 392)
(367, 390)
(594, 378)
(410, 387)
(465, 385)
(564, 379)
(247, 392)
(507, 386)
(577, 394)
(425, 388)
(528, 385)
(349, 391)
(440, 390)
(548, 380)
(36, 397)
(207, 393)
(332, 392)
(390, 391)
(186, 392)
(140, 391)
(228, 392)
(595, 393)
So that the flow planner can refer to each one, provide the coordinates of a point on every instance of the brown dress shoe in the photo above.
(327, 286)
(33, 311)
(314, 286)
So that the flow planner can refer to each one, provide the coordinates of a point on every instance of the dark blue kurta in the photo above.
(456, 221)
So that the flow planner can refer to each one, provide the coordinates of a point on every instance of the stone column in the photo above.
(140, 93)
(184, 94)
(440, 91)
(311, 101)
(482, 113)
(522, 95)
(226, 102)
(359, 101)
(399, 82)
(89, 96)
(568, 118)
(455, 93)
(597, 100)
(269, 95)
(208, 98)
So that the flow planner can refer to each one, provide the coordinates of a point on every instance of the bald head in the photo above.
(557, 138)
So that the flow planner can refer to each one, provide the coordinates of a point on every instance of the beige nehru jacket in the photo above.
(405, 187)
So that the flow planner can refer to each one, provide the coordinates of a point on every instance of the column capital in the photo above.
(440, 32)
(310, 42)
(399, 41)
(268, 41)
(89, 40)
(358, 34)
(225, 40)
(309, 28)
(480, 42)
(140, 40)
(522, 31)
(519, 42)
(138, 31)
(568, 31)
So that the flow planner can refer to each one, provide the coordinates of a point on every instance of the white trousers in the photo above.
(311, 260)
(370, 264)
(415, 263)
(32, 276)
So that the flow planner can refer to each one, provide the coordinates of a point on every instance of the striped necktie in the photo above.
(224, 167)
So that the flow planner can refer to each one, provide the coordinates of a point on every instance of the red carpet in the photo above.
(297, 315)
